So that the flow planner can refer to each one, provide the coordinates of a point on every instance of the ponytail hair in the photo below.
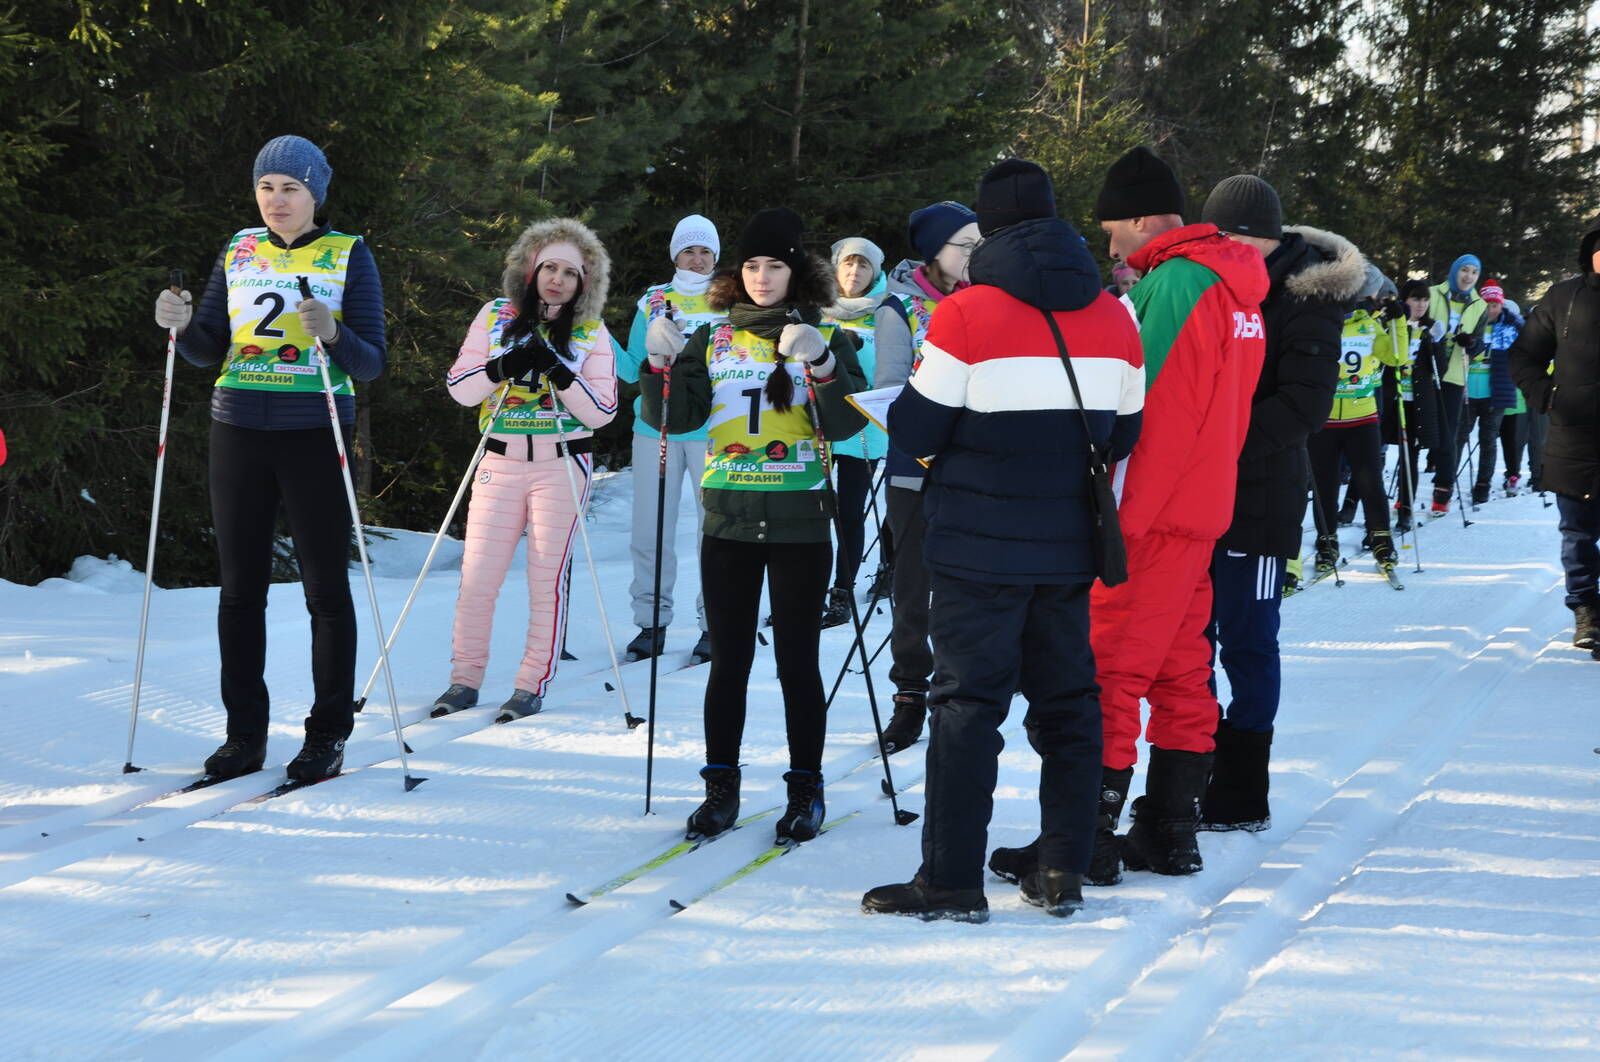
(780, 388)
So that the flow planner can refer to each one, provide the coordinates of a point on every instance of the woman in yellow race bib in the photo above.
(271, 444)
(764, 490)
(543, 348)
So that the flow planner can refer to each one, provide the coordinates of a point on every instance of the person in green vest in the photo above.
(760, 383)
(1456, 303)
(272, 445)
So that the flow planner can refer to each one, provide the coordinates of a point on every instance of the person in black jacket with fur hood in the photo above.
(1565, 328)
(1315, 277)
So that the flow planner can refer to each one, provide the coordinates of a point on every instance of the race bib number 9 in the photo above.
(1356, 376)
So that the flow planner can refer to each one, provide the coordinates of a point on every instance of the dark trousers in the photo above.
(1580, 557)
(1513, 437)
(854, 488)
(1412, 451)
(990, 641)
(1362, 446)
(908, 640)
(796, 576)
(252, 473)
(1482, 412)
(1448, 452)
(1246, 593)
(1538, 428)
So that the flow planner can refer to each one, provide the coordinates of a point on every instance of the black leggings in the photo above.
(797, 581)
(855, 487)
(1513, 437)
(252, 472)
(1362, 446)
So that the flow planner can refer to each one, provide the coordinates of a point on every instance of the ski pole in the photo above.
(427, 562)
(844, 669)
(1466, 461)
(175, 285)
(1404, 471)
(655, 593)
(876, 519)
(1320, 519)
(901, 817)
(361, 548)
(582, 505)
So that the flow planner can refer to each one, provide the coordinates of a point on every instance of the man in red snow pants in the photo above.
(1198, 306)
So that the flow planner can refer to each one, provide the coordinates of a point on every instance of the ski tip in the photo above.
(412, 783)
(762, 638)
(409, 750)
(633, 721)
(129, 768)
(361, 702)
(905, 818)
(576, 900)
(677, 906)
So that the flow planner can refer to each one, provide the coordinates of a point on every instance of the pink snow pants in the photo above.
(509, 497)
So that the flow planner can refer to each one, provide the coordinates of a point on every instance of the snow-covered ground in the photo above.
(1430, 885)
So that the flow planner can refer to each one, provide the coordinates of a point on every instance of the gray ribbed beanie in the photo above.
(1247, 205)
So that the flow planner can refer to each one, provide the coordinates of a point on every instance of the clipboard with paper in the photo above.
(874, 405)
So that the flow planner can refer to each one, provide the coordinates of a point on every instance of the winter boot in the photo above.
(1162, 835)
(1441, 500)
(837, 611)
(721, 806)
(1480, 493)
(882, 583)
(905, 726)
(1015, 864)
(927, 902)
(802, 819)
(1383, 550)
(1586, 627)
(236, 756)
(701, 653)
(454, 699)
(650, 641)
(1327, 553)
(1347, 511)
(1512, 482)
(1105, 864)
(322, 756)
(1402, 519)
(519, 705)
(1059, 892)
(1236, 798)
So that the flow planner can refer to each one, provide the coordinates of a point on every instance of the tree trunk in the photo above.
(799, 87)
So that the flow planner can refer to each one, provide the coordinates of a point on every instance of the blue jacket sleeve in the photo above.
(362, 349)
(205, 341)
(629, 358)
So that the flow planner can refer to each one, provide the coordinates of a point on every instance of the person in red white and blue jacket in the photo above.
(1009, 542)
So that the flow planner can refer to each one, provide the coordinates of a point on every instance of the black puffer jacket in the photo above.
(1316, 276)
(1565, 327)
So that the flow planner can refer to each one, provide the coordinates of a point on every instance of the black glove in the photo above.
(1466, 341)
(532, 355)
(1392, 311)
(1425, 322)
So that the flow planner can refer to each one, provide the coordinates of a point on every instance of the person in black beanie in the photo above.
(1009, 549)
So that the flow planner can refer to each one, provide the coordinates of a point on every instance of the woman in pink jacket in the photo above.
(539, 362)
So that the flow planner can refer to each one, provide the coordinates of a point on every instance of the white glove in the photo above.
(1437, 332)
(317, 320)
(663, 341)
(801, 342)
(174, 310)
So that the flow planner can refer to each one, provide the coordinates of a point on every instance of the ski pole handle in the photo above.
(175, 281)
(305, 288)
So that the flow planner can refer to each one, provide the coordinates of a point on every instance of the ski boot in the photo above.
(1512, 482)
(905, 726)
(1441, 500)
(1059, 892)
(1236, 797)
(1480, 494)
(927, 902)
(837, 612)
(882, 583)
(1585, 627)
(1347, 511)
(802, 819)
(701, 653)
(1327, 553)
(235, 757)
(650, 641)
(322, 756)
(1162, 837)
(519, 705)
(1402, 519)
(454, 699)
(721, 806)
(1383, 550)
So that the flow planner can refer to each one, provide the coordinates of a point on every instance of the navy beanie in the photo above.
(1014, 190)
(932, 226)
(297, 157)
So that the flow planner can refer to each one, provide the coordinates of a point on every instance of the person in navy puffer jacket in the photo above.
(1009, 542)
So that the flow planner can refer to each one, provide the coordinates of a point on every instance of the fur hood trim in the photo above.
(541, 234)
(1338, 278)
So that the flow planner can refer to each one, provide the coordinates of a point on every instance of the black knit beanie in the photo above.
(773, 233)
(1139, 185)
(1012, 191)
(1246, 205)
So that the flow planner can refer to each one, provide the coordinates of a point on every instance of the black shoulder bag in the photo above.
(1110, 554)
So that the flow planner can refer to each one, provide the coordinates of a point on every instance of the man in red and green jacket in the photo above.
(1199, 311)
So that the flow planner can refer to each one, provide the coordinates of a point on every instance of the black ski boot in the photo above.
(1236, 798)
(1059, 892)
(837, 612)
(1586, 627)
(322, 756)
(882, 582)
(802, 819)
(236, 756)
(905, 726)
(1480, 493)
(927, 902)
(1402, 519)
(650, 641)
(1383, 550)
(1327, 553)
(1105, 864)
(701, 653)
(454, 699)
(1162, 835)
(721, 806)
(1347, 511)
